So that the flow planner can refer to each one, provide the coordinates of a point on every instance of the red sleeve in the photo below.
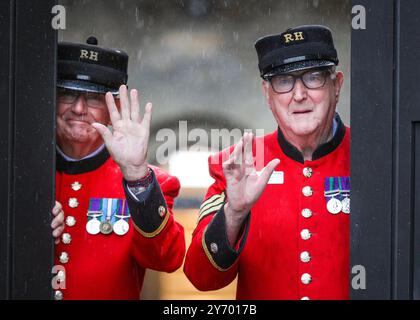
(201, 266)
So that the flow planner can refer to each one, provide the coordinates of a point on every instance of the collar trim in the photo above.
(81, 166)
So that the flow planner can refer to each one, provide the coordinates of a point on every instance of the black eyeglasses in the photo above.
(312, 79)
(93, 99)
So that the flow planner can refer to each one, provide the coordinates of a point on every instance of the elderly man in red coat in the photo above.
(113, 215)
(277, 215)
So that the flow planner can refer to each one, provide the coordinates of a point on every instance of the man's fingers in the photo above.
(236, 155)
(135, 106)
(268, 171)
(112, 108)
(58, 231)
(227, 165)
(125, 103)
(103, 131)
(249, 159)
(57, 208)
(60, 217)
(58, 220)
(147, 118)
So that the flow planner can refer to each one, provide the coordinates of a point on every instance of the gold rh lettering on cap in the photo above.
(84, 54)
(288, 37)
(297, 36)
(91, 55)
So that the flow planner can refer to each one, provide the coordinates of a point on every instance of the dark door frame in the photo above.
(385, 231)
(27, 148)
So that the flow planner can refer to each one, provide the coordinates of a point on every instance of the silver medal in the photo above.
(345, 203)
(334, 206)
(105, 227)
(93, 226)
(121, 227)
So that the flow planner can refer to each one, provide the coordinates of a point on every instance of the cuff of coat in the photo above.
(148, 211)
(216, 244)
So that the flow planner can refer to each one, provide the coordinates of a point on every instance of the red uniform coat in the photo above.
(112, 266)
(268, 262)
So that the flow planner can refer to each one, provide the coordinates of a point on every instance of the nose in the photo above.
(79, 106)
(300, 91)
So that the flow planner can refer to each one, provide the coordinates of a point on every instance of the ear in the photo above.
(265, 89)
(338, 83)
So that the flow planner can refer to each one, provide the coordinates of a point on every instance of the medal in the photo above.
(105, 227)
(92, 227)
(334, 206)
(121, 227)
(345, 203)
(99, 222)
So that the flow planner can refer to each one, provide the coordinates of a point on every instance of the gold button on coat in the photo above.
(66, 238)
(305, 234)
(64, 257)
(307, 172)
(305, 257)
(307, 213)
(58, 295)
(73, 203)
(76, 186)
(306, 278)
(70, 221)
(162, 211)
(307, 191)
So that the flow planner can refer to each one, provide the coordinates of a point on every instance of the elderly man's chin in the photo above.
(303, 128)
(82, 133)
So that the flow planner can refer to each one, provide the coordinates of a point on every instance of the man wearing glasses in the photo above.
(277, 216)
(113, 214)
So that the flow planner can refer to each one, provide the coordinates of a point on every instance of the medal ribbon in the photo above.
(111, 206)
(330, 192)
(340, 187)
(95, 205)
(124, 212)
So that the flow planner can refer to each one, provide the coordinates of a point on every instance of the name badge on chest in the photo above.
(277, 177)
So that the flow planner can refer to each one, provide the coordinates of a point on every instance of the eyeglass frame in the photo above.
(326, 70)
(78, 94)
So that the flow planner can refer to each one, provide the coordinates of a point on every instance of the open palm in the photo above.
(244, 185)
(128, 141)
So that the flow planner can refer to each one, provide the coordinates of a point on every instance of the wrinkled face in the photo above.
(303, 112)
(76, 112)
